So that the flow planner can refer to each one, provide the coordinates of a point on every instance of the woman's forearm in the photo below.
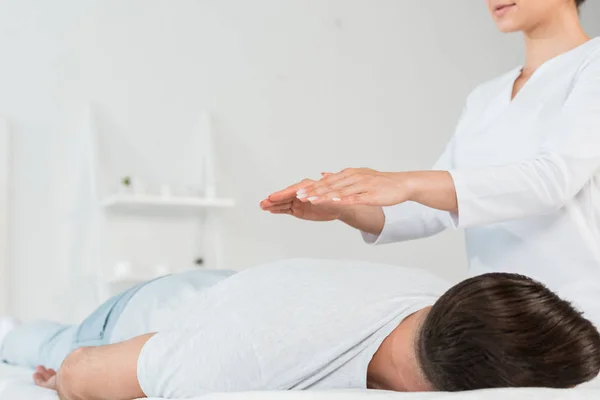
(364, 218)
(433, 189)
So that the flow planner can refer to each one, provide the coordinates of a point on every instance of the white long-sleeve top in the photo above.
(527, 177)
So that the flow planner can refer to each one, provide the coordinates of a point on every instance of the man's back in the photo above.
(292, 324)
(310, 324)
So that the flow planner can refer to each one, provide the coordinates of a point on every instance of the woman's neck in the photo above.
(557, 36)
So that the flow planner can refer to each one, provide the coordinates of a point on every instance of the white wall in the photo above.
(297, 87)
(4, 214)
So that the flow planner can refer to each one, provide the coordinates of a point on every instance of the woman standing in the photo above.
(521, 173)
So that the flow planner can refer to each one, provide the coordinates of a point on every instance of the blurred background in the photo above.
(201, 108)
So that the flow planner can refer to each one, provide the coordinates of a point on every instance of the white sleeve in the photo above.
(567, 161)
(410, 220)
(195, 361)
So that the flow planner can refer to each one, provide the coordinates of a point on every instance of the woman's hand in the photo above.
(367, 187)
(286, 202)
(364, 218)
(356, 196)
(358, 186)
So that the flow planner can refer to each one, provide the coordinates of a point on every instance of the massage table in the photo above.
(16, 384)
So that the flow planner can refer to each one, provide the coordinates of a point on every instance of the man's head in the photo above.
(506, 330)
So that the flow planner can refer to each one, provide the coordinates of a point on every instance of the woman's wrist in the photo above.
(412, 184)
(434, 189)
(364, 218)
(347, 214)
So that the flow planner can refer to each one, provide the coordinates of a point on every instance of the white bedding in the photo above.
(16, 384)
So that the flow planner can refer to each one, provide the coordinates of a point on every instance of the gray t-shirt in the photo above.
(294, 324)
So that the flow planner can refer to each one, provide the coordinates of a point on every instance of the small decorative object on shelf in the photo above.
(126, 181)
(126, 185)
(122, 270)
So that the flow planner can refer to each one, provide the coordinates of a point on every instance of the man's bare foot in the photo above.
(45, 378)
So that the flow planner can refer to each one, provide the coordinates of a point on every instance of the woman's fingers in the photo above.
(280, 207)
(325, 188)
(349, 185)
(331, 182)
(331, 187)
(266, 204)
(339, 195)
(289, 193)
(363, 199)
(327, 179)
(284, 194)
(288, 212)
(331, 179)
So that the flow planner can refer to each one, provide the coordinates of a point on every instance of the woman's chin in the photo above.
(508, 27)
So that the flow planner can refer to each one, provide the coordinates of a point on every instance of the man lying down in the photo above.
(313, 324)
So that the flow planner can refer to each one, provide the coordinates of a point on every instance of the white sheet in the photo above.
(496, 394)
(16, 384)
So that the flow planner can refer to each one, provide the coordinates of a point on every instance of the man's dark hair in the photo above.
(579, 2)
(506, 330)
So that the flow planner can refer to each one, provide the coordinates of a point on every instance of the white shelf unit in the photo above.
(4, 214)
(149, 203)
(202, 209)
